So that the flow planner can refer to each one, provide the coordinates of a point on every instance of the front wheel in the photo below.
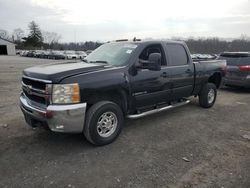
(104, 122)
(207, 96)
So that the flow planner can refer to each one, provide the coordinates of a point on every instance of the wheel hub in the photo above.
(211, 96)
(107, 124)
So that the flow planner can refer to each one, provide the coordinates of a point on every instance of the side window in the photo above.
(155, 48)
(177, 55)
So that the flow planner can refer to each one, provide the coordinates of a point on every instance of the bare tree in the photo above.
(4, 34)
(18, 34)
(51, 37)
(244, 37)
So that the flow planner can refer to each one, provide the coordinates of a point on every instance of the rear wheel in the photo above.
(207, 96)
(104, 122)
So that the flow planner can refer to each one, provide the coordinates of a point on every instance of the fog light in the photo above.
(59, 127)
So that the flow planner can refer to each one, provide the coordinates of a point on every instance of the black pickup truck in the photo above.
(119, 79)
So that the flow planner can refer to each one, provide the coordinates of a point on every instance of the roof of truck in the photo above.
(139, 41)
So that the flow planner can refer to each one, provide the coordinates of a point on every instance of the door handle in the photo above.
(188, 71)
(164, 75)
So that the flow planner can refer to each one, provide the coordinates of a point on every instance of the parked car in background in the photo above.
(238, 68)
(30, 53)
(56, 55)
(24, 52)
(70, 55)
(81, 54)
(43, 54)
(37, 53)
(18, 52)
(88, 52)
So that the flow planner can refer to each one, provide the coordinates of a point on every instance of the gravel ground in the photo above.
(184, 147)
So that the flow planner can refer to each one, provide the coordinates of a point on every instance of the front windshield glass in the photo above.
(115, 54)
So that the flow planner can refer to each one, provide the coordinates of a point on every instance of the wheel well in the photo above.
(117, 96)
(216, 79)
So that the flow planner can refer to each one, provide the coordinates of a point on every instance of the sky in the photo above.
(104, 20)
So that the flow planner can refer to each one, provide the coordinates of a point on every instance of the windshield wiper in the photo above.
(99, 62)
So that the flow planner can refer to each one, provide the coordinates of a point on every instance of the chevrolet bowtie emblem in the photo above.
(29, 89)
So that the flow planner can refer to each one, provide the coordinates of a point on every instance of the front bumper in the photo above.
(59, 118)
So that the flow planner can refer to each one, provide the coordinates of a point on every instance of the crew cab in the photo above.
(119, 79)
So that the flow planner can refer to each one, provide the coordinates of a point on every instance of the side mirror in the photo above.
(153, 63)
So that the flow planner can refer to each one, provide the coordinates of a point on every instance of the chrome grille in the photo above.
(36, 90)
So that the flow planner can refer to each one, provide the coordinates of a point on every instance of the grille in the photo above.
(35, 98)
(34, 83)
(35, 90)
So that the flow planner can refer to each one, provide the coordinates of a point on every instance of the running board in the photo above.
(135, 116)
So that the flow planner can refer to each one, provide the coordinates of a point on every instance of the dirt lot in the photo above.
(148, 153)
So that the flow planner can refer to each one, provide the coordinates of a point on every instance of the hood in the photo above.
(58, 71)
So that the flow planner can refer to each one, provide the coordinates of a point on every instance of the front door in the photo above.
(151, 87)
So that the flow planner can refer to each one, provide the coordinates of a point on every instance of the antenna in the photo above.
(75, 41)
(75, 35)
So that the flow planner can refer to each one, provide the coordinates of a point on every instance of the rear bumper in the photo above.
(59, 118)
(241, 82)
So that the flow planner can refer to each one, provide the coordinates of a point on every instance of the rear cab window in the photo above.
(177, 55)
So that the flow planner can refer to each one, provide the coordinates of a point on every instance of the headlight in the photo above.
(65, 93)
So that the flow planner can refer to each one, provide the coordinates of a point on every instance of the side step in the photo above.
(135, 116)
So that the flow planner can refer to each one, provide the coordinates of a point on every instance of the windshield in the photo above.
(115, 54)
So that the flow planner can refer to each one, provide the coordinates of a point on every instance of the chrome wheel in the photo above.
(107, 124)
(211, 96)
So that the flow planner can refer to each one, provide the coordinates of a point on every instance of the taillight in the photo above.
(244, 67)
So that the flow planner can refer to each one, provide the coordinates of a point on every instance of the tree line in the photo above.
(217, 45)
(36, 39)
(40, 39)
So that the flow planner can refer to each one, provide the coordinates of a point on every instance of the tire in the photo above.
(207, 96)
(98, 113)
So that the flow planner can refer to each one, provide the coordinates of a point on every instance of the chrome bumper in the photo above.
(59, 118)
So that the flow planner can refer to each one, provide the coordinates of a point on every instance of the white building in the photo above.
(7, 47)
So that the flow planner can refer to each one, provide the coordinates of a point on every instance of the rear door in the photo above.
(181, 70)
